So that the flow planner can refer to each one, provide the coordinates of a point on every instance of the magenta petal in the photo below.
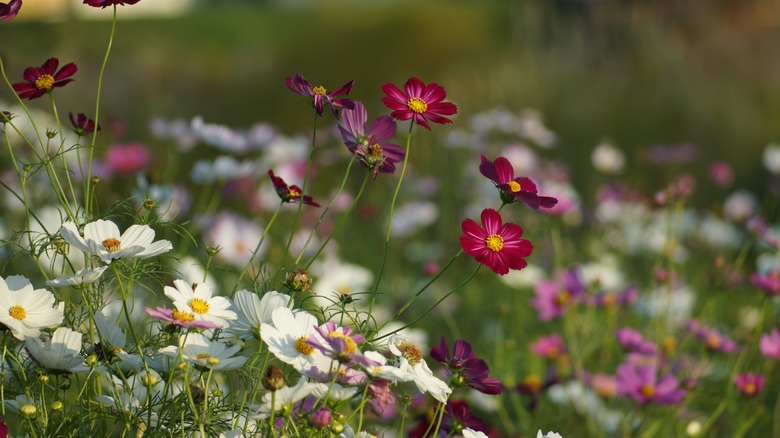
(488, 170)
(435, 118)
(344, 89)
(394, 104)
(68, 70)
(491, 221)
(433, 94)
(414, 87)
(504, 170)
(394, 92)
(383, 128)
(443, 108)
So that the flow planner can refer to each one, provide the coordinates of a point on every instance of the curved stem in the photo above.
(257, 248)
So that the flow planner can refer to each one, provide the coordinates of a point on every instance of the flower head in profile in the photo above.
(418, 102)
(26, 310)
(464, 367)
(513, 188)
(41, 80)
(497, 246)
(318, 95)
(198, 301)
(82, 125)
(80, 278)
(103, 239)
(254, 311)
(106, 3)
(641, 382)
(370, 147)
(289, 193)
(8, 11)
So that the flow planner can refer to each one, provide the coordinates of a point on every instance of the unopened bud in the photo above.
(51, 133)
(273, 379)
(92, 360)
(28, 411)
(27, 167)
(321, 418)
(212, 250)
(149, 204)
(299, 280)
(57, 406)
(43, 378)
(336, 427)
(150, 380)
(96, 180)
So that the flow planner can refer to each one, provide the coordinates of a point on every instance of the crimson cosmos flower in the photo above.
(105, 3)
(497, 246)
(419, 102)
(466, 367)
(371, 148)
(290, 193)
(8, 11)
(513, 189)
(81, 124)
(41, 80)
(319, 95)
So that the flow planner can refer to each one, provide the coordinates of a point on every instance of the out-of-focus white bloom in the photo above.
(412, 361)
(169, 200)
(286, 339)
(694, 428)
(60, 352)
(673, 306)
(523, 158)
(235, 237)
(224, 168)
(191, 271)
(55, 254)
(586, 402)
(718, 233)
(334, 278)
(526, 277)
(771, 158)
(548, 435)
(749, 317)
(740, 206)
(198, 299)
(102, 238)
(607, 158)
(235, 433)
(411, 217)
(178, 130)
(532, 128)
(254, 311)
(471, 433)
(604, 273)
(26, 310)
(199, 350)
(333, 391)
(284, 151)
(81, 277)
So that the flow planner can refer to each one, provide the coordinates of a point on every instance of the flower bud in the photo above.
(96, 180)
(51, 133)
(273, 379)
(57, 406)
(299, 280)
(212, 250)
(28, 411)
(43, 377)
(336, 427)
(92, 360)
(149, 204)
(321, 418)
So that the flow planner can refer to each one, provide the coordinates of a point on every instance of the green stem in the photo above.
(257, 248)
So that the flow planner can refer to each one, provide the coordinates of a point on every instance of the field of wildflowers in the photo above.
(406, 266)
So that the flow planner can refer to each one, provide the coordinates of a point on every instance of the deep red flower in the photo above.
(290, 193)
(8, 11)
(41, 80)
(105, 3)
(418, 102)
(81, 124)
(319, 95)
(513, 189)
(497, 246)
(465, 368)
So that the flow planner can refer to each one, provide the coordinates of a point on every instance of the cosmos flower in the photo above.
(319, 95)
(371, 148)
(769, 282)
(254, 311)
(199, 350)
(632, 340)
(284, 399)
(289, 193)
(749, 384)
(463, 367)
(497, 246)
(418, 102)
(641, 382)
(127, 158)
(41, 80)
(180, 318)
(103, 239)
(287, 338)
(26, 310)
(81, 277)
(198, 301)
(82, 125)
(513, 188)
(412, 362)
(550, 347)
(105, 3)
(553, 297)
(8, 11)
(339, 343)
(62, 351)
(770, 344)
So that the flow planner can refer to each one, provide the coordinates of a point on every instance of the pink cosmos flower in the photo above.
(498, 246)
(127, 159)
(319, 95)
(513, 189)
(418, 102)
(769, 282)
(749, 384)
(41, 80)
(371, 147)
(550, 347)
(770, 345)
(554, 296)
(8, 11)
(641, 383)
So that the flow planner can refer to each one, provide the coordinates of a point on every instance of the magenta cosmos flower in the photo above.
(749, 384)
(289, 193)
(641, 382)
(497, 246)
(105, 3)
(513, 188)
(553, 297)
(182, 319)
(8, 11)
(319, 95)
(549, 347)
(371, 147)
(769, 282)
(82, 125)
(463, 367)
(41, 80)
(770, 344)
(419, 102)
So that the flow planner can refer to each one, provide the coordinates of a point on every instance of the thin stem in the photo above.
(257, 248)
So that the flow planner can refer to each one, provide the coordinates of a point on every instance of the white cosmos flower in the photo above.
(384, 371)
(235, 433)
(199, 350)
(198, 300)
(83, 276)
(254, 311)
(26, 310)
(334, 392)
(412, 361)
(103, 239)
(285, 398)
(471, 433)
(287, 337)
(336, 278)
(17, 403)
(771, 158)
(60, 352)
(548, 435)
(112, 340)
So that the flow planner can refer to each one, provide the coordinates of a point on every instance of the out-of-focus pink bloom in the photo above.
(382, 399)
(633, 341)
(770, 344)
(127, 159)
(430, 268)
(603, 384)
(721, 173)
(749, 384)
(321, 418)
(678, 190)
(769, 282)
(550, 347)
(713, 339)
(672, 154)
(8, 11)
(642, 383)
(553, 297)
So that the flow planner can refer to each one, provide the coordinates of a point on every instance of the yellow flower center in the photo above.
(647, 391)
(295, 193)
(199, 306)
(178, 315)
(303, 347)
(749, 389)
(17, 312)
(494, 242)
(44, 82)
(111, 244)
(350, 345)
(344, 289)
(213, 361)
(203, 356)
(514, 186)
(319, 90)
(417, 105)
(562, 298)
(411, 353)
(533, 382)
(713, 340)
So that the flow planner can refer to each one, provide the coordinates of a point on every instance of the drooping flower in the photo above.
(319, 95)
(458, 417)
(82, 125)
(198, 301)
(418, 102)
(41, 80)
(8, 11)
(62, 351)
(497, 246)
(749, 384)
(371, 148)
(199, 350)
(464, 367)
(770, 344)
(26, 310)
(513, 188)
(105, 3)
(180, 318)
(641, 382)
(289, 193)
(103, 239)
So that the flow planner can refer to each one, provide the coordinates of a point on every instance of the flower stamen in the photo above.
(178, 315)
(319, 90)
(44, 82)
(647, 391)
(112, 244)
(303, 347)
(417, 105)
(494, 242)
(514, 186)
(17, 312)
(199, 306)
